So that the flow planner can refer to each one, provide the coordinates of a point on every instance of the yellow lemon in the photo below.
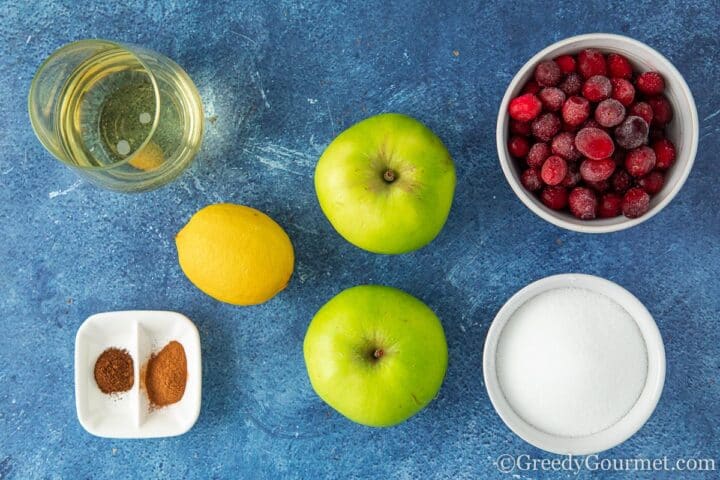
(149, 158)
(235, 254)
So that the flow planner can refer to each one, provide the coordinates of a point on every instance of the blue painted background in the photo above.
(279, 80)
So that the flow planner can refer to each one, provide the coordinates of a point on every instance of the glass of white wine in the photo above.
(127, 118)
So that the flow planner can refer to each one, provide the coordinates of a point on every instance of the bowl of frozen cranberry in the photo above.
(597, 133)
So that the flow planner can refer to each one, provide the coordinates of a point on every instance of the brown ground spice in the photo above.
(166, 375)
(114, 371)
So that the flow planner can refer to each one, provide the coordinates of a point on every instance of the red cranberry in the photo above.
(525, 107)
(572, 85)
(597, 88)
(599, 187)
(519, 128)
(631, 133)
(609, 113)
(547, 73)
(552, 98)
(636, 202)
(621, 181)
(594, 143)
(619, 66)
(642, 110)
(591, 62)
(554, 197)
(531, 87)
(564, 145)
(662, 110)
(537, 155)
(650, 83)
(572, 178)
(545, 127)
(640, 161)
(518, 146)
(610, 205)
(530, 179)
(622, 91)
(591, 123)
(652, 183)
(566, 63)
(553, 170)
(664, 154)
(575, 110)
(583, 203)
(597, 170)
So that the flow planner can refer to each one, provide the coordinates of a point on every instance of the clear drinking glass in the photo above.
(127, 118)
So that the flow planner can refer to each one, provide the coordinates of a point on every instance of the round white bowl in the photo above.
(625, 427)
(682, 131)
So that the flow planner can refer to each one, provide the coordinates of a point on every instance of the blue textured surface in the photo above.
(279, 80)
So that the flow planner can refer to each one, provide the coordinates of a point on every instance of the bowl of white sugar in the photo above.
(574, 364)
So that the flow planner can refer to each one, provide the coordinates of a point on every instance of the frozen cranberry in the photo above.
(656, 133)
(622, 91)
(662, 110)
(519, 128)
(591, 62)
(537, 154)
(518, 146)
(545, 127)
(610, 205)
(642, 110)
(547, 73)
(591, 123)
(564, 145)
(525, 107)
(599, 187)
(553, 170)
(619, 66)
(575, 110)
(552, 98)
(573, 176)
(664, 154)
(597, 170)
(652, 183)
(530, 179)
(594, 143)
(554, 197)
(621, 181)
(609, 113)
(583, 203)
(597, 88)
(631, 133)
(531, 87)
(640, 161)
(566, 63)
(572, 84)
(650, 83)
(636, 202)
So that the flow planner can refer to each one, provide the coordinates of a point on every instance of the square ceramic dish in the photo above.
(129, 414)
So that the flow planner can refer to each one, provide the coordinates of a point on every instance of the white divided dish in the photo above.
(129, 414)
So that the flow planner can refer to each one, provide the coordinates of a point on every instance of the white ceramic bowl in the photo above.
(128, 415)
(636, 416)
(682, 131)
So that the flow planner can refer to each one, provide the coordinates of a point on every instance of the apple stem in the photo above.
(378, 353)
(389, 175)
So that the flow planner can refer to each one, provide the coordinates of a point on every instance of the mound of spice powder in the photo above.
(166, 375)
(114, 371)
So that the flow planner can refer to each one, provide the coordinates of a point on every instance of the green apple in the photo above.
(386, 184)
(376, 354)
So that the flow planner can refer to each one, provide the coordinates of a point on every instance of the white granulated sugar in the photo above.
(571, 362)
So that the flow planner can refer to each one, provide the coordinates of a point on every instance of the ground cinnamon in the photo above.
(166, 375)
(114, 371)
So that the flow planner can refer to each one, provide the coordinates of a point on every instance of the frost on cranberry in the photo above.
(525, 107)
(583, 203)
(650, 83)
(632, 132)
(537, 154)
(610, 205)
(664, 154)
(636, 202)
(519, 128)
(545, 127)
(594, 143)
(566, 63)
(652, 183)
(621, 181)
(554, 197)
(640, 161)
(564, 145)
(591, 62)
(609, 113)
(575, 111)
(548, 74)
(518, 146)
(619, 66)
(662, 110)
(622, 91)
(530, 179)
(597, 88)
(552, 98)
(553, 170)
(642, 110)
(597, 170)
(572, 84)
